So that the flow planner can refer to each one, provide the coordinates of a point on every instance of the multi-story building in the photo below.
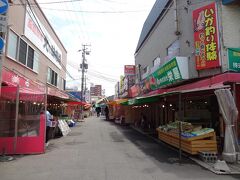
(190, 48)
(96, 90)
(34, 69)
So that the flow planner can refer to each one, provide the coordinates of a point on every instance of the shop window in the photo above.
(12, 45)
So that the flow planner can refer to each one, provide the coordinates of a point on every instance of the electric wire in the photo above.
(40, 28)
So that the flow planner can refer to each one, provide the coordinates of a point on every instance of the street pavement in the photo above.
(101, 150)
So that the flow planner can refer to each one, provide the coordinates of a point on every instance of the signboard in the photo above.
(76, 94)
(206, 37)
(234, 59)
(228, 1)
(167, 74)
(14, 79)
(1, 44)
(3, 6)
(43, 42)
(129, 70)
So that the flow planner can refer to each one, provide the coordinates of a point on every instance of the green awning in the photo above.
(147, 99)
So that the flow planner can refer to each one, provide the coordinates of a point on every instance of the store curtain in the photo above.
(229, 112)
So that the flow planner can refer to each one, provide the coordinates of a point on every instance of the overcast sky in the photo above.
(111, 27)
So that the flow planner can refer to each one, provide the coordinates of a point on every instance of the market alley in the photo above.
(101, 150)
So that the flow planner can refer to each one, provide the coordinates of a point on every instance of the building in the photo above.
(34, 71)
(96, 90)
(186, 51)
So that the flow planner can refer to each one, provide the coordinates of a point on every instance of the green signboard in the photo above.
(234, 59)
(167, 74)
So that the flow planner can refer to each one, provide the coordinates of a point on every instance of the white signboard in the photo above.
(44, 42)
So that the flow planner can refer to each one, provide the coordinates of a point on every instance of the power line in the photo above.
(40, 28)
(97, 12)
(52, 2)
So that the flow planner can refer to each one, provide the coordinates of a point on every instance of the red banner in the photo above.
(129, 70)
(26, 85)
(206, 37)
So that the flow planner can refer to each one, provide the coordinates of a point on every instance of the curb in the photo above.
(199, 162)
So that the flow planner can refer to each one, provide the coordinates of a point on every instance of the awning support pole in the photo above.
(180, 127)
(16, 122)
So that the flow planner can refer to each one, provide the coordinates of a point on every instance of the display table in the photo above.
(193, 145)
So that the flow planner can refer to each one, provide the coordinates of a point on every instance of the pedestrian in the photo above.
(48, 127)
(98, 110)
(106, 110)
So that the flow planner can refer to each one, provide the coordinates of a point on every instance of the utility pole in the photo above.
(83, 66)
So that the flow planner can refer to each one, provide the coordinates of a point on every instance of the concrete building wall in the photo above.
(230, 15)
(16, 22)
(163, 35)
(160, 38)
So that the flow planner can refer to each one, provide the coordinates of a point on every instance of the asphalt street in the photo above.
(101, 150)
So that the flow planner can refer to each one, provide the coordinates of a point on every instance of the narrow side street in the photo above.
(100, 150)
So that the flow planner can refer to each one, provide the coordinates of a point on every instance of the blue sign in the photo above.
(1, 43)
(3, 6)
(228, 1)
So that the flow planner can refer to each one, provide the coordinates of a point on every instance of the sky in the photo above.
(111, 28)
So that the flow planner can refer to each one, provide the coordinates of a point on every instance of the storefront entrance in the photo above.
(22, 117)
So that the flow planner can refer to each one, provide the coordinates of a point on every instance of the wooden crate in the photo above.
(191, 145)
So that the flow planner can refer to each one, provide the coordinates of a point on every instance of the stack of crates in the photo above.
(210, 157)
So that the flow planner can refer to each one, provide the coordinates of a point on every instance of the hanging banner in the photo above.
(206, 37)
(234, 59)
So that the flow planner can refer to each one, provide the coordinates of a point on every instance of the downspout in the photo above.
(177, 32)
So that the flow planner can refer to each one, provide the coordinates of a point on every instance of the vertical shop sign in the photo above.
(206, 37)
(129, 70)
(234, 59)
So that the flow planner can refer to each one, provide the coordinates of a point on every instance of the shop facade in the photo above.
(182, 60)
(34, 69)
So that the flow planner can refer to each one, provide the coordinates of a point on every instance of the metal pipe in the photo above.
(16, 121)
(180, 126)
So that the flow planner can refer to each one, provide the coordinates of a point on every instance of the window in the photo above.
(146, 69)
(64, 84)
(173, 49)
(12, 45)
(52, 77)
(20, 51)
(35, 61)
(30, 57)
(156, 61)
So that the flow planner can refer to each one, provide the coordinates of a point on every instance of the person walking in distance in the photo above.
(98, 109)
(106, 112)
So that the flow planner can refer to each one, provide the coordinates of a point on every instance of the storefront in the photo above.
(22, 118)
(194, 103)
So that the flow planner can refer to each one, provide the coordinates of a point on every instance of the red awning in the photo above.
(76, 103)
(214, 82)
(57, 93)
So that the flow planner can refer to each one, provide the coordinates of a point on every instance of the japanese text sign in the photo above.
(167, 74)
(129, 70)
(234, 59)
(206, 37)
